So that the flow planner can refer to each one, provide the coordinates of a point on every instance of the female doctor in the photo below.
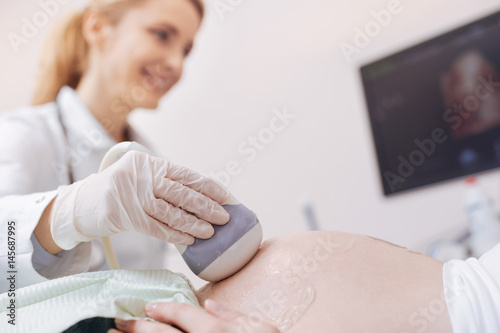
(97, 67)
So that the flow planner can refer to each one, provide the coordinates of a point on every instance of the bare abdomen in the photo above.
(337, 282)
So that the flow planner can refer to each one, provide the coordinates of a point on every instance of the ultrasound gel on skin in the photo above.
(231, 247)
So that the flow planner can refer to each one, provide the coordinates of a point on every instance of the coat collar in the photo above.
(81, 125)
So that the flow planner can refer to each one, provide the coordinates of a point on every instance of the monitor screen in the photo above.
(434, 108)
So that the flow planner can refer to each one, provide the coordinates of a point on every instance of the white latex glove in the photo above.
(140, 193)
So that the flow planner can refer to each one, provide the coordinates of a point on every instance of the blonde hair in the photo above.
(64, 56)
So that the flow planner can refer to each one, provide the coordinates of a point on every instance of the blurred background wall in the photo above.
(262, 57)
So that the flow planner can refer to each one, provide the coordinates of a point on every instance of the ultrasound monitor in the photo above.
(434, 108)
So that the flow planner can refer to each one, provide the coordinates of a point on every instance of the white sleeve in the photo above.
(491, 261)
(19, 215)
(23, 154)
(472, 292)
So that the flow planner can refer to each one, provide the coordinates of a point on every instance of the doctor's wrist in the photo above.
(62, 218)
(42, 231)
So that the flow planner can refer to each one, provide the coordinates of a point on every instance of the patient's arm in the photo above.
(337, 282)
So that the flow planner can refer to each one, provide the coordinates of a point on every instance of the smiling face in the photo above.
(142, 55)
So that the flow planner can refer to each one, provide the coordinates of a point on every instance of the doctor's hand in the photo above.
(139, 193)
(176, 318)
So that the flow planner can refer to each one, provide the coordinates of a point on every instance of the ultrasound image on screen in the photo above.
(435, 108)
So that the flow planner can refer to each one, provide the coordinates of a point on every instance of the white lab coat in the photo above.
(33, 151)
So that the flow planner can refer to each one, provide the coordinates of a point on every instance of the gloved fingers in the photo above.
(165, 233)
(191, 201)
(179, 219)
(197, 182)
